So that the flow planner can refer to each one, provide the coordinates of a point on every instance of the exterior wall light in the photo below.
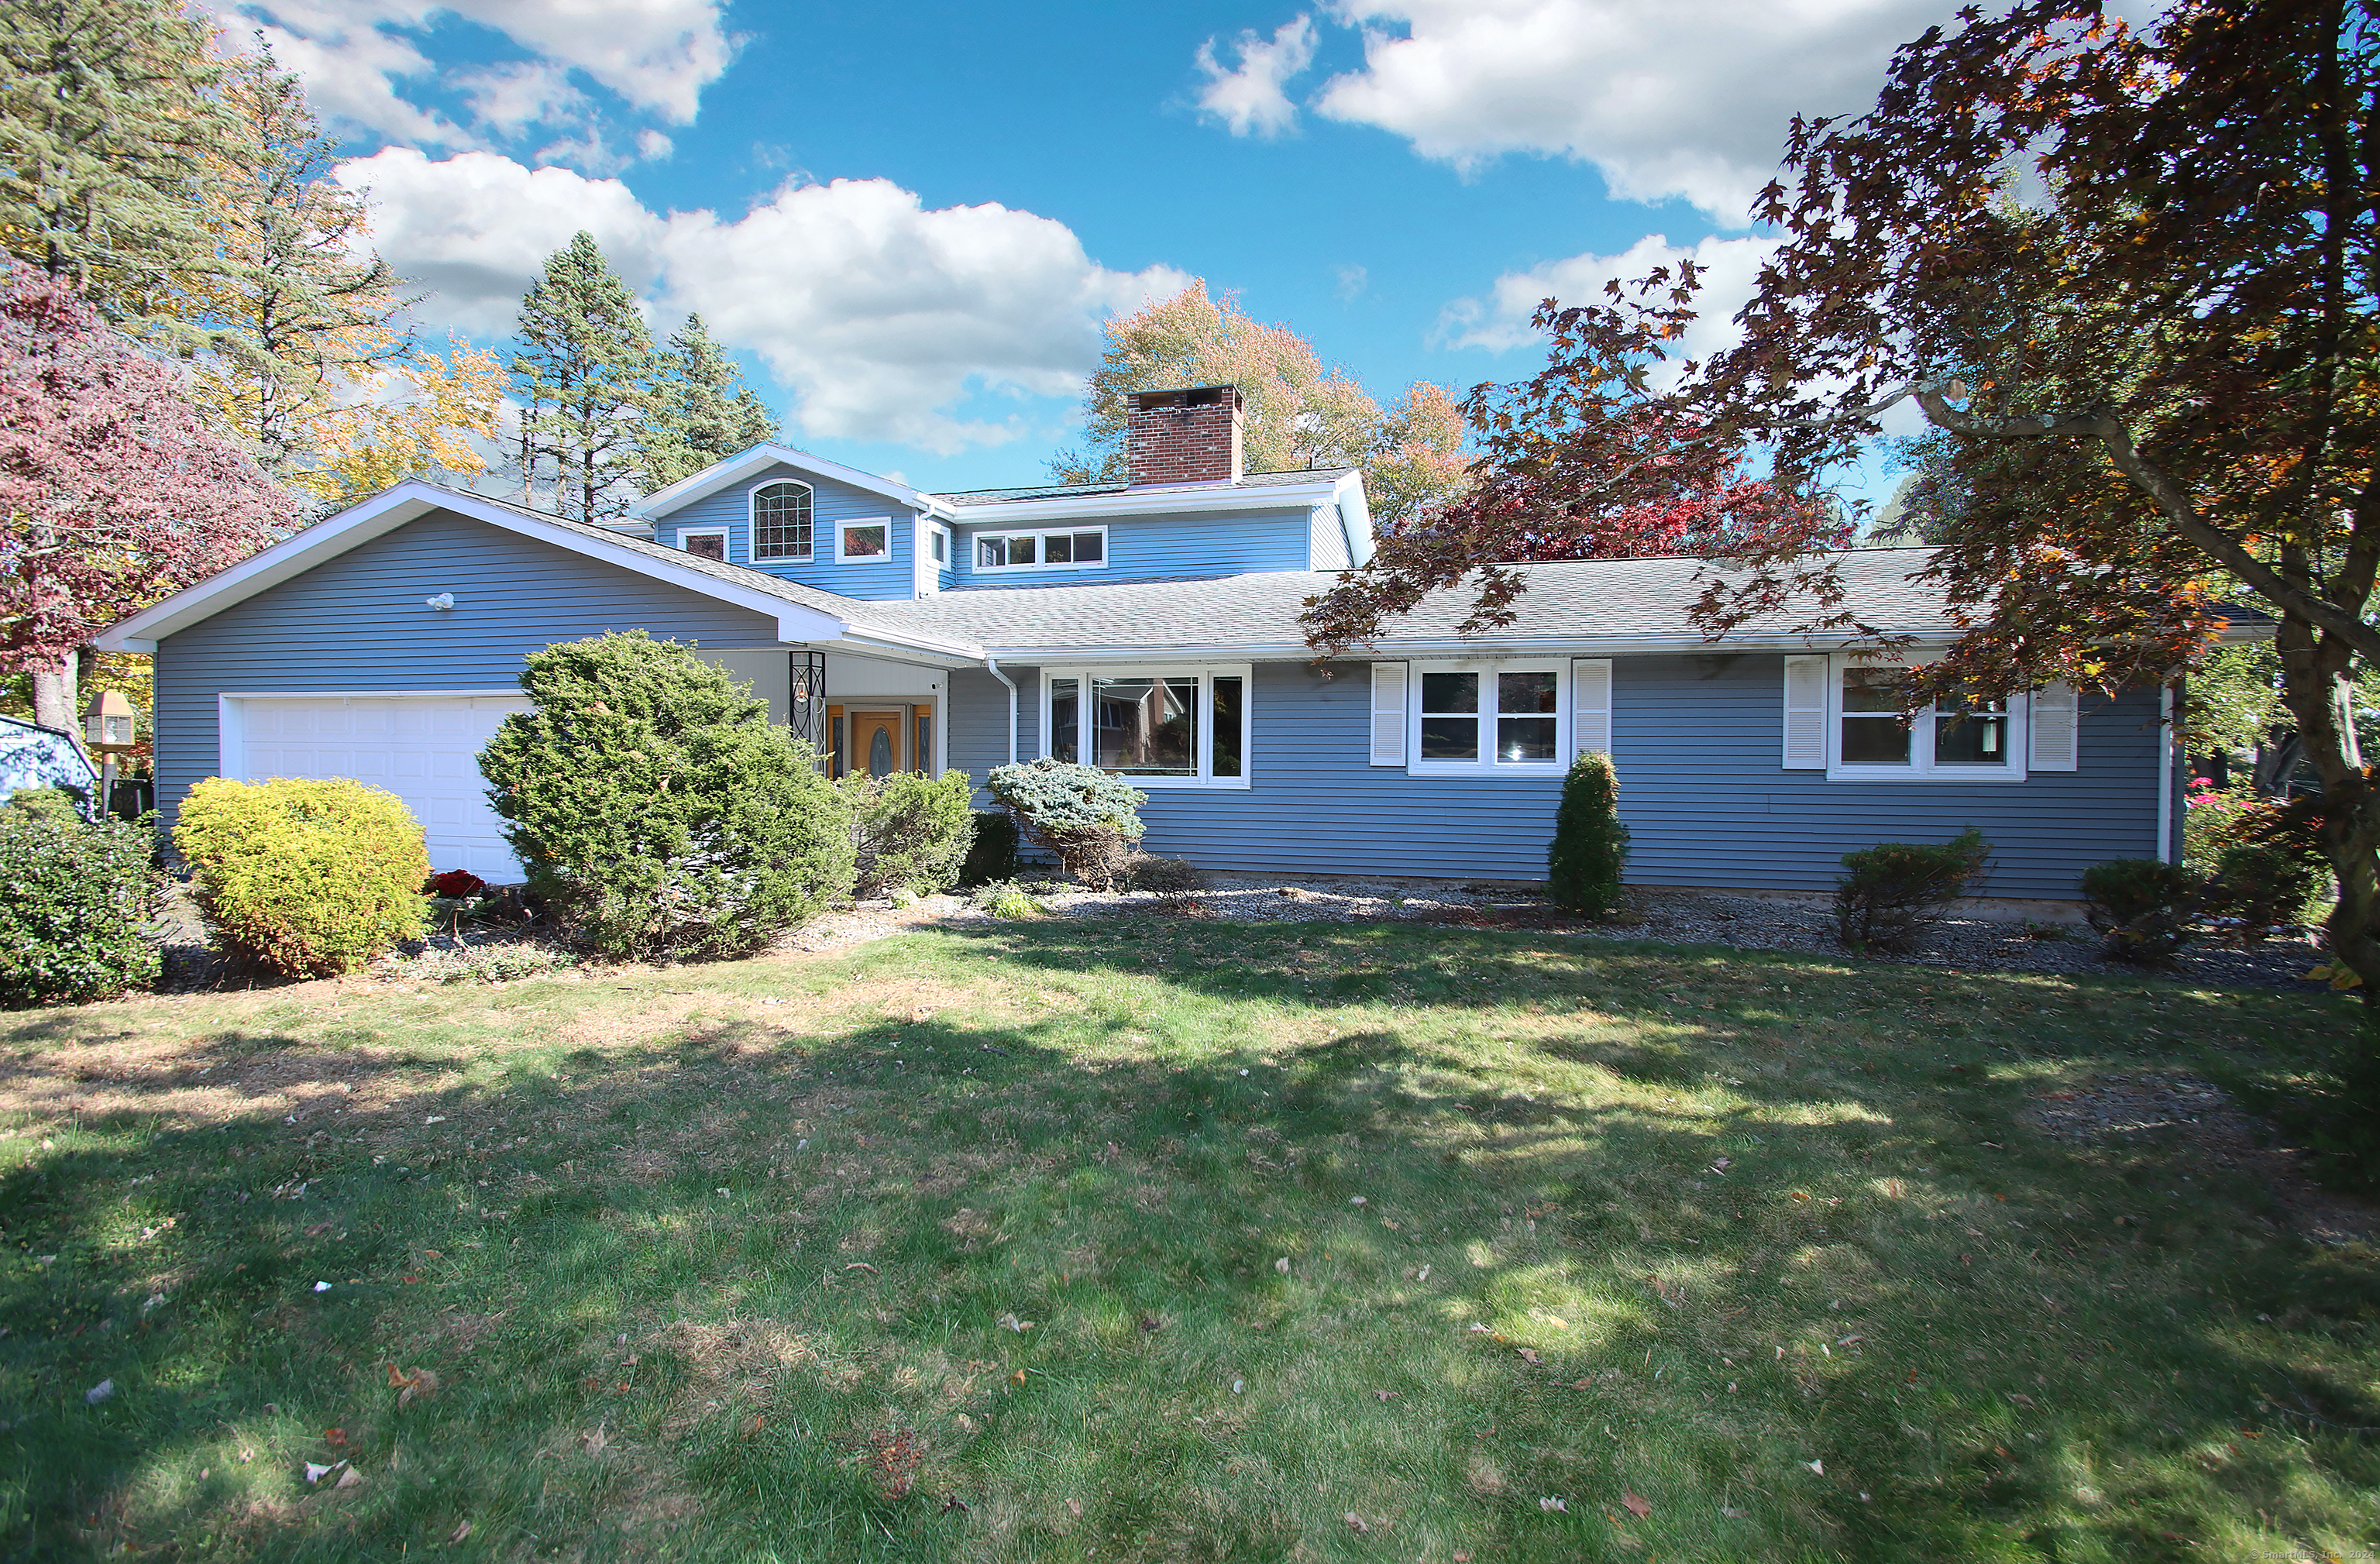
(107, 721)
(439, 600)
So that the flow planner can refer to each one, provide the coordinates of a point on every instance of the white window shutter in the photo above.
(1590, 704)
(1805, 713)
(1388, 713)
(2056, 729)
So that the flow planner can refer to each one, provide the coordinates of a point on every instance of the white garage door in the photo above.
(423, 748)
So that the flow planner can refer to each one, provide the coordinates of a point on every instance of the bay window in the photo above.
(1159, 727)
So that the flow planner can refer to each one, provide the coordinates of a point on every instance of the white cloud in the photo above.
(880, 315)
(652, 146)
(1501, 322)
(1250, 99)
(476, 228)
(656, 54)
(1352, 281)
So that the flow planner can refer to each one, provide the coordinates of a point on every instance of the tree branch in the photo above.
(2101, 424)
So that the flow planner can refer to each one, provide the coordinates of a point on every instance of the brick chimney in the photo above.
(1188, 436)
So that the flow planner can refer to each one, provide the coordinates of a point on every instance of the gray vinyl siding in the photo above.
(1696, 740)
(879, 580)
(1166, 548)
(978, 719)
(358, 623)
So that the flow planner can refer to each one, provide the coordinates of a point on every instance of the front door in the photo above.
(876, 745)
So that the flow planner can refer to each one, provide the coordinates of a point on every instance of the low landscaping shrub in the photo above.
(1165, 876)
(1890, 892)
(1006, 899)
(658, 811)
(51, 803)
(910, 833)
(506, 961)
(78, 903)
(1088, 817)
(304, 879)
(457, 885)
(2144, 907)
(993, 855)
(1590, 846)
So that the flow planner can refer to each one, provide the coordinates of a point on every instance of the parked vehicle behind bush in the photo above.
(1890, 892)
(78, 902)
(1088, 817)
(909, 832)
(655, 809)
(304, 879)
(1589, 851)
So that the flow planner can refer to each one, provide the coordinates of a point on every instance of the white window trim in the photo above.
(1921, 767)
(718, 532)
(843, 527)
(974, 553)
(1203, 672)
(1488, 765)
(948, 560)
(752, 524)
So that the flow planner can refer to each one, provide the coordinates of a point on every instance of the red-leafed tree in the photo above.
(113, 493)
(2132, 277)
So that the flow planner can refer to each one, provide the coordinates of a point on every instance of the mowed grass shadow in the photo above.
(809, 1195)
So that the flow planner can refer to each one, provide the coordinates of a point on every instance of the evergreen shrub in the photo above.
(909, 832)
(993, 855)
(1589, 851)
(1890, 892)
(1088, 817)
(1161, 875)
(78, 903)
(658, 812)
(304, 879)
(2143, 908)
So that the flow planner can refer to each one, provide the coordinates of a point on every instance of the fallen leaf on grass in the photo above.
(1817, 1466)
(98, 1392)
(595, 1443)
(1551, 1504)
(1529, 1355)
(411, 1384)
(349, 1478)
(2021, 1399)
(1478, 1329)
(1386, 1395)
(1281, 1265)
(335, 1437)
(1422, 1275)
(1356, 1523)
(459, 1533)
(1074, 1508)
(863, 1265)
(1151, 1322)
(1635, 1504)
(1732, 1514)
(316, 1473)
(1010, 1322)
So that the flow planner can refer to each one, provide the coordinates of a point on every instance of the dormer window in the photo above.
(1077, 549)
(781, 521)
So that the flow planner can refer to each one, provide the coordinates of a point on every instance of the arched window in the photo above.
(781, 521)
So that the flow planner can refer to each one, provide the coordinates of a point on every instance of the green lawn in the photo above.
(1330, 1242)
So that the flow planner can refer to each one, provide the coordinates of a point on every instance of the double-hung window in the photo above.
(1871, 737)
(1082, 548)
(1487, 717)
(782, 527)
(1161, 727)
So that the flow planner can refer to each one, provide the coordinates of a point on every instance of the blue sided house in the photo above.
(1150, 627)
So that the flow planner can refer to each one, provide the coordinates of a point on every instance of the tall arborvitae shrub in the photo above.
(1590, 846)
(656, 809)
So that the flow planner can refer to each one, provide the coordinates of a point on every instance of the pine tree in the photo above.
(106, 124)
(702, 410)
(584, 375)
(290, 314)
(1590, 844)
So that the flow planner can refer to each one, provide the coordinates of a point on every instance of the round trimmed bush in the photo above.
(657, 810)
(78, 903)
(305, 879)
(910, 832)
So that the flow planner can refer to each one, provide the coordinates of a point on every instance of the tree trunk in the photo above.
(2320, 693)
(55, 702)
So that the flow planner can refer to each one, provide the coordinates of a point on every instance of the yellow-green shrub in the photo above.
(304, 878)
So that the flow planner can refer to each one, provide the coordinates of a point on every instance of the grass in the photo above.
(1332, 1241)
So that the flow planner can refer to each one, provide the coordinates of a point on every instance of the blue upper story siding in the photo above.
(1189, 546)
(831, 503)
(1696, 740)
(356, 624)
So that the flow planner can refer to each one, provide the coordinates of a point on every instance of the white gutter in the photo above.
(992, 663)
(2167, 739)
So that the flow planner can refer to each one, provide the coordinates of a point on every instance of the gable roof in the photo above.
(747, 464)
(803, 614)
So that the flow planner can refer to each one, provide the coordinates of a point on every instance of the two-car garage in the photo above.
(424, 747)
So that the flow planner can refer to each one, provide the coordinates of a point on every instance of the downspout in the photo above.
(2165, 741)
(992, 664)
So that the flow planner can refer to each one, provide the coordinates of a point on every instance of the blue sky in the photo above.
(908, 222)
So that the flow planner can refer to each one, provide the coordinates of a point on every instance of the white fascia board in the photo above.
(1444, 647)
(392, 508)
(737, 468)
(1099, 507)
